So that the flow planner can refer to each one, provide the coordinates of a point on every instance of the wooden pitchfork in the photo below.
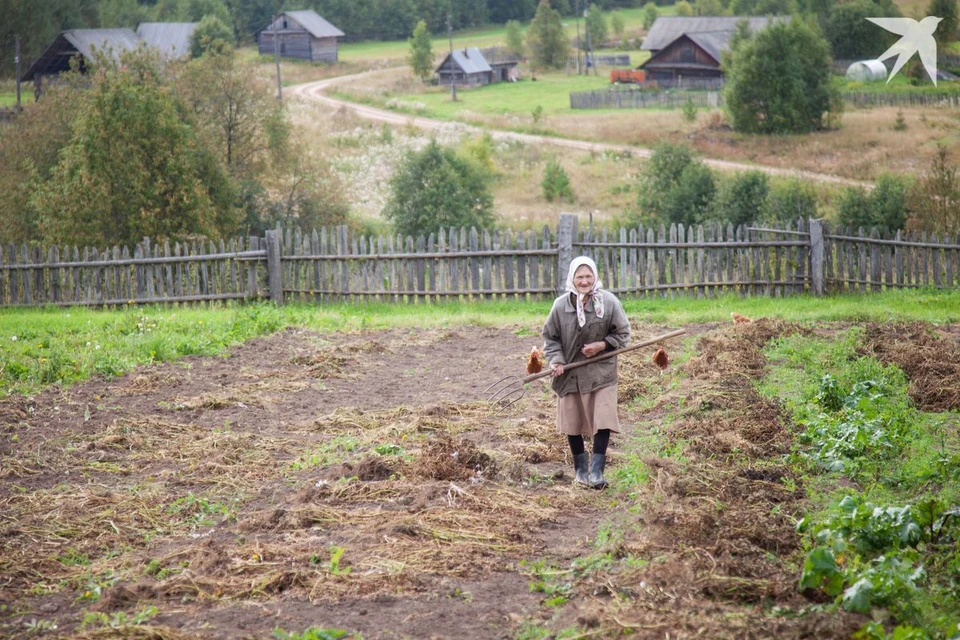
(510, 389)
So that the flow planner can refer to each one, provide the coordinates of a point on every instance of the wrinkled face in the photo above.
(583, 279)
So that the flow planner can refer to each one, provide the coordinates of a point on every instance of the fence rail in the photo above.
(635, 97)
(335, 264)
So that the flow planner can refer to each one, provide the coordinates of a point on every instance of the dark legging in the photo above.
(600, 441)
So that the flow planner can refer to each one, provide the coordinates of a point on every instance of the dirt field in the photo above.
(358, 482)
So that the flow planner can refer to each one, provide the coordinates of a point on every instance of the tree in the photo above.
(617, 25)
(29, 153)
(514, 38)
(421, 51)
(779, 80)
(950, 14)
(211, 32)
(596, 25)
(134, 167)
(852, 36)
(546, 39)
(708, 8)
(935, 198)
(649, 15)
(684, 8)
(436, 188)
(198, 9)
(121, 13)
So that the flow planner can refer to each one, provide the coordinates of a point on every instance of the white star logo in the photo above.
(917, 38)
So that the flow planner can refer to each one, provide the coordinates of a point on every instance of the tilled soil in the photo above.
(360, 481)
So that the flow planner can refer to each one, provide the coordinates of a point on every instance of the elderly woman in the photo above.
(584, 322)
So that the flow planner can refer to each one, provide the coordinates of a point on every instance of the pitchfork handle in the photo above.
(608, 354)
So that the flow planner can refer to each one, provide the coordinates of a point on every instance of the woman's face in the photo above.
(583, 279)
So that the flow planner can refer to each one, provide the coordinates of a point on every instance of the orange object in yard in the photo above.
(636, 76)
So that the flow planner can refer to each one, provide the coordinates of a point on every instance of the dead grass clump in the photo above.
(323, 364)
(458, 459)
(931, 362)
(366, 470)
(134, 632)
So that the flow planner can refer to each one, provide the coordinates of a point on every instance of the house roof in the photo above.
(312, 22)
(56, 58)
(469, 60)
(668, 28)
(171, 38)
(713, 42)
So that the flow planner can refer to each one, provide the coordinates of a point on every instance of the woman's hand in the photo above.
(593, 348)
(556, 370)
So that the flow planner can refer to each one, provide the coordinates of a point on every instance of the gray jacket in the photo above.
(563, 338)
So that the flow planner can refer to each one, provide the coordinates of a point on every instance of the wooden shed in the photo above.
(690, 48)
(301, 34)
(470, 68)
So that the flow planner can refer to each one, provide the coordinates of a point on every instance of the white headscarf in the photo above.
(581, 297)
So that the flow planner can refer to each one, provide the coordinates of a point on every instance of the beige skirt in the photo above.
(585, 414)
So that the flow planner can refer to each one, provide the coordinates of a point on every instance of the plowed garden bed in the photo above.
(359, 482)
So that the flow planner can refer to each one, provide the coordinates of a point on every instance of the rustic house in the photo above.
(470, 68)
(300, 34)
(172, 39)
(691, 47)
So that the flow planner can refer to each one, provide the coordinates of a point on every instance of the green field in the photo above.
(44, 346)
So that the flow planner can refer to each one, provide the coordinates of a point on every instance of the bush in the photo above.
(743, 198)
(436, 188)
(649, 15)
(935, 198)
(556, 183)
(675, 187)
(792, 200)
(884, 208)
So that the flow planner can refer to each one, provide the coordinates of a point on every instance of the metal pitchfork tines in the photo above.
(508, 390)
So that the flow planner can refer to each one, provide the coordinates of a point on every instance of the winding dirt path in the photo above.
(316, 91)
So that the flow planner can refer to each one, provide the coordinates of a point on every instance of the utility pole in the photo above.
(576, 13)
(17, 59)
(276, 57)
(453, 73)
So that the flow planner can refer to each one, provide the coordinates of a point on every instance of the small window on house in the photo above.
(284, 24)
(687, 54)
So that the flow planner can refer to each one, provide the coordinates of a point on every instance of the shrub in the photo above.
(436, 188)
(743, 198)
(884, 208)
(556, 183)
(210, 33)
(790, 201)
(675, 186)
(936, 197)
(649, 15)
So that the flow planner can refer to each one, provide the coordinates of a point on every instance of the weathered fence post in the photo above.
(816, 256)
(566, 234)
(274, 270)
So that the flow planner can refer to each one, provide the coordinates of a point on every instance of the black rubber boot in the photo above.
(597, 481)
(581, 462)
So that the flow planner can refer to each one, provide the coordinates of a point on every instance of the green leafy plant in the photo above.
(689, 111)
(556, 182)
(313, 633)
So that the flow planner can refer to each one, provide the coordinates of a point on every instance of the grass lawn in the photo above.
(44, 346)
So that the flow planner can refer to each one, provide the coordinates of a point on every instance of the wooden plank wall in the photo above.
(861, 261)
(182, 272)
(701, 261)
(338, 265)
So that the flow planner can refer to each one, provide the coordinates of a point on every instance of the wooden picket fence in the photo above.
(337, 265)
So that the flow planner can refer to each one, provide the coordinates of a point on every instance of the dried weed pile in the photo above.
(931, 361)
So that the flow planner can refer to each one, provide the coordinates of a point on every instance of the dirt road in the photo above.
(315, 91)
